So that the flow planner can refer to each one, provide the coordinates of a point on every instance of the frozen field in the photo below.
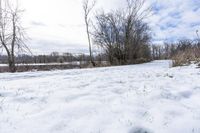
(146, 98)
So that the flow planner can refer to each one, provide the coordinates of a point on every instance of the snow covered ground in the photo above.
(146, 98)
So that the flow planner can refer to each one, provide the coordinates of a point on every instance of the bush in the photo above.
(183, 58)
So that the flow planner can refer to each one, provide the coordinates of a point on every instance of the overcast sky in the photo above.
(58, 25)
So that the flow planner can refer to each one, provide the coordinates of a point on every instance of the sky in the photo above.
(58, 25)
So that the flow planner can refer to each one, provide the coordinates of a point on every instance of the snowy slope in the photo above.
(150, 97)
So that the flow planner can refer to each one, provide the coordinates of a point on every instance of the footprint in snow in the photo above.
(185, 94)
(139, 130)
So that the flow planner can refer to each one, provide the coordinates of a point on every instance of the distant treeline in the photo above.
(54, 57)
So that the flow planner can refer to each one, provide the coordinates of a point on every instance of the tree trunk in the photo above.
(11, 62)
(89, 41)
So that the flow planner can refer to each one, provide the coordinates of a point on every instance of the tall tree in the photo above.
(123, 34)
(12, 34)
(87, 8)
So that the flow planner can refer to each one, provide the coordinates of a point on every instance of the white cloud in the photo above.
(174, 19)
(61, 21)
(58, 21)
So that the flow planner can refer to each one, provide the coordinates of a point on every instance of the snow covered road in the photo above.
(150, 97)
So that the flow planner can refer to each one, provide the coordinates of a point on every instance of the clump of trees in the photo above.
(181, 52)
(123, 34)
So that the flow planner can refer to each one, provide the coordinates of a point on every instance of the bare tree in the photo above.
(123, 34)
(87, 8)
(12, 34)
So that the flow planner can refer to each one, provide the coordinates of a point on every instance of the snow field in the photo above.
(146, 98)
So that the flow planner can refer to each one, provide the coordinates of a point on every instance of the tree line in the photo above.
(126, 37)
(54, 57)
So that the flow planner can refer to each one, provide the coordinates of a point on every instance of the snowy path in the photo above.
(150, 97)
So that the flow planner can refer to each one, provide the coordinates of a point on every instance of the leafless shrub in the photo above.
(183, 57)
(187, 51)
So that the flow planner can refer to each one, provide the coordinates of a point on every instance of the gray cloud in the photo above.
(46, 47)
(34, 23)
